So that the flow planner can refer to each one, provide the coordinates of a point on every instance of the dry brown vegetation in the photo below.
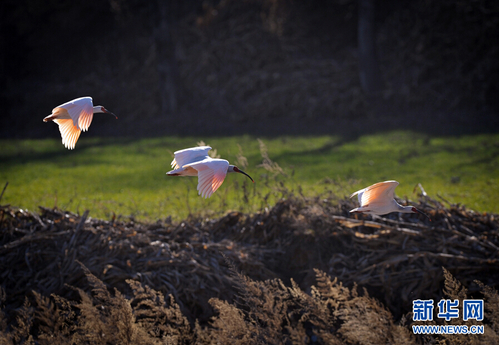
(302, 272)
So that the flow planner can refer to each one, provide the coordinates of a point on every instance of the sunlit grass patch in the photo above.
(120, 176)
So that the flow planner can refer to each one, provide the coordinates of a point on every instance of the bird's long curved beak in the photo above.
(421, 212)
(108, 112)
(242, 172)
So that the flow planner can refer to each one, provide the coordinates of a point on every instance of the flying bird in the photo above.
(379, 199)
(73, 117)
(211, 172)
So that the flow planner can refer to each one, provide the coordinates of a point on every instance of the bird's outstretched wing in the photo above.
(80, 110)
(69, 132)
(359, 195)
(379, 191)
(85, 119)
(190, 155)
(211, 175)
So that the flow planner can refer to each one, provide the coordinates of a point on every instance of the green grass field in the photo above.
(127, 176)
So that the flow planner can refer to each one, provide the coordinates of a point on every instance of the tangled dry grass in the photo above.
(303, 271)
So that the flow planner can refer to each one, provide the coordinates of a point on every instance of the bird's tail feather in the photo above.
(51, 117)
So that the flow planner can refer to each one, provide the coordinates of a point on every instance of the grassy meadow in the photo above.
(127, 177)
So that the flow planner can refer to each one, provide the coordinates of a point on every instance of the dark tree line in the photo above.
(252, 63)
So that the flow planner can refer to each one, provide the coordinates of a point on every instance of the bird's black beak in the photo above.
(108, 112)
(415, 210)
(242, 172)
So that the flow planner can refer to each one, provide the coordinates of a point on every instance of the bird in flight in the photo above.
(379, 199)
(211, 172)
(73, 117)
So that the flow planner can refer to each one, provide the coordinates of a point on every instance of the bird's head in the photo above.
(233, 168)
(415, 210)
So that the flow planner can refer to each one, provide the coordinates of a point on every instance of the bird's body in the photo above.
(73, 117)
(379, 199)
(211, 172)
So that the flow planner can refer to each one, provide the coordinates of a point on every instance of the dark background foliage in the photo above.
(254, 66)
